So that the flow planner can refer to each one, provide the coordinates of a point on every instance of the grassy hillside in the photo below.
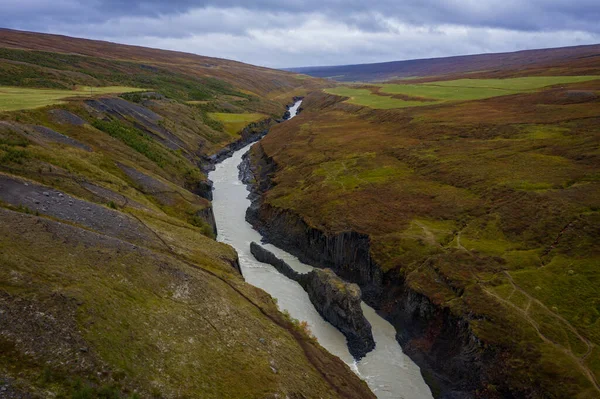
(19, 98)
(111, 283)
(484, 198)
(575, 58)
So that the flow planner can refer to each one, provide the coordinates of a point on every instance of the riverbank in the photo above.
(387, 370)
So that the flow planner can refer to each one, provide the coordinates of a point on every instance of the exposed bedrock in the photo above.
(265, 256)
(339, 303)
(208, 216)
(453, 360)
(336, 300)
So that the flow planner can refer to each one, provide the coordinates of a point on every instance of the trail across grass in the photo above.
(451, 90)
(18, 98)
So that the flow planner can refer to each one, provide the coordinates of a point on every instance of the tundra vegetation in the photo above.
(480, 192)
(111, 284)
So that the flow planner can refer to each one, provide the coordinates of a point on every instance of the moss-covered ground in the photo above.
(149, 305)
(490, 207)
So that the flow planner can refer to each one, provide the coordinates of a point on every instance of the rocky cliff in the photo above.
(336, 300)
(452, 359)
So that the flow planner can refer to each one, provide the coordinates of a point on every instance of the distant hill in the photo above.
(577, 57)
(258, 80)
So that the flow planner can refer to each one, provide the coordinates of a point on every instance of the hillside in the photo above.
(467, 209)
(575, 58)
(111, 282)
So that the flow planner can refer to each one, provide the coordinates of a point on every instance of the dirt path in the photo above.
(579, 360)
(429, 236)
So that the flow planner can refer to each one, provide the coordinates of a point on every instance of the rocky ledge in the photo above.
(336, 300)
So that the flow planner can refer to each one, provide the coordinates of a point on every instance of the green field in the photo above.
(234, 123)
(524, 83)
(367, 98)
(451, 90)
(17, 98)
(446, 93)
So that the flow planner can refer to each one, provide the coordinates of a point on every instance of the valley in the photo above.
(111, 282)
(461, 200)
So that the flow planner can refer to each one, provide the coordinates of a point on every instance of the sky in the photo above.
(293, 33)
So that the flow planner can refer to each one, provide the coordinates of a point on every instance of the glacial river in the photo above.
(387, 370)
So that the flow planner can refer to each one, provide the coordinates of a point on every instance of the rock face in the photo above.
(336, 300)
(265, 256)
(453, 359)
(339, 303)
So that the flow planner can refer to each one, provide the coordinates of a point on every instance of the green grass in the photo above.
(19, 98)
(357, 171)
(478, 89)
(523, 83)
(446, 93)
(234, 123)
(543, 132)
(37, 69)
(366, 98)
(135, 139)
(168, 160)
(452, 90)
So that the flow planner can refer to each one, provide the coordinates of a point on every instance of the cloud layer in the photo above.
(326, 32)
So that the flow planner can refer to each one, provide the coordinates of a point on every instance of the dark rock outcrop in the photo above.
(42, 135)
(35, 198)
(62, 116)
(52, 136)
(202, 188)
(208, 216)
(336, 300)
(265, 256)
(339, 303)
(142, 118)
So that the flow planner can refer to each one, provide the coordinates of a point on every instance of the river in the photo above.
(387, 370)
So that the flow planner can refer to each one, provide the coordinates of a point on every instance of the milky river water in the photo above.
(387, 370)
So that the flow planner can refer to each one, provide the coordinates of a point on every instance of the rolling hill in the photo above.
(465, 205)
(111, 282)
(577, 58)
(463, 201)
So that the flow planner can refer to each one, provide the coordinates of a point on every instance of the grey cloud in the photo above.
(510, 14)
(313, 32)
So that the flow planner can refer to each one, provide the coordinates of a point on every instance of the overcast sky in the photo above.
(279, 33)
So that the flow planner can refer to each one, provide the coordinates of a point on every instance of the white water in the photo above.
(387, 370)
